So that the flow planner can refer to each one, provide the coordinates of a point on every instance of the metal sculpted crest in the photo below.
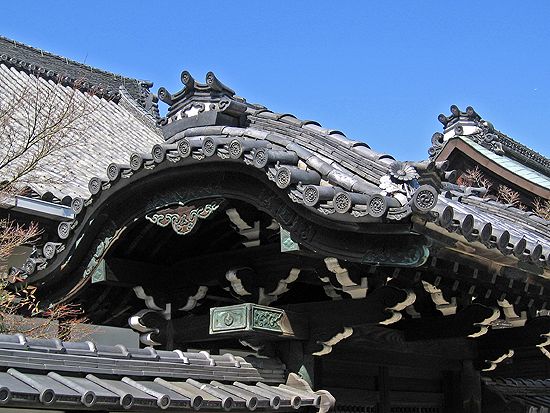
(184, 217)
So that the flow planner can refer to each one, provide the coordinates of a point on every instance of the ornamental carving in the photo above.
(402, 171)
(424, 199)
(400, 182)
(266, 319)
(483, 134)
(249, 318)
(233, 318)
(412, 256)
(183, 218)
(101, 250)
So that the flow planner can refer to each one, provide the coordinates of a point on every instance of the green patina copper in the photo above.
(398, 255)
(100, 273)
(183, 218)
(287, 244)
(246, 317)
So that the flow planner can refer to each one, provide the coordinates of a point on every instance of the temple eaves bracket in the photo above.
(347, 285)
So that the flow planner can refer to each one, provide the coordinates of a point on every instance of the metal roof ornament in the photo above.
(197, 98)
(402, 171)
(469, 124)
(400, 182)
(183, 218)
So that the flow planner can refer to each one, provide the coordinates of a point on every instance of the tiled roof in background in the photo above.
(471, 128)
(22, 55)
(113, 129)
(524, 153)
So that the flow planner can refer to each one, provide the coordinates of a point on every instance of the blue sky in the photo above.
(379, 71)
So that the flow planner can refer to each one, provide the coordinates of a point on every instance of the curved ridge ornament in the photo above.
(184, 217)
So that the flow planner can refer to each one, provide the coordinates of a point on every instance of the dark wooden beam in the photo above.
(324, 319)
(333, 321)
(417, 358)
(384, 389)
(470, 390)
(511, 338)
(267, 261)
(377, 338)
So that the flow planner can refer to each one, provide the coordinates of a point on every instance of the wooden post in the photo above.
(452, 391)
(297, 361)
(384, 389)
(470, 386)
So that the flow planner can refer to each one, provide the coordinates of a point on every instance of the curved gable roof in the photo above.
(327, 181)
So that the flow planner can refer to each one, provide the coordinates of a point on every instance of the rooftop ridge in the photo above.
(72, 73)
(523, 149)
(471, 125)
(73, 62)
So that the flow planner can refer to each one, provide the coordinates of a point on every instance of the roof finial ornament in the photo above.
(459, 123)
(212, 88)
(165, 96)
(187, 80)
(201, 100)
(457, 115)
(470, 125)
(215, 84)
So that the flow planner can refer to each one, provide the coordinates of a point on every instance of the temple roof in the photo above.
(332, 178)
(49, 373)
(511, 164)
(319, 170)
(469, 133)
(503, 227)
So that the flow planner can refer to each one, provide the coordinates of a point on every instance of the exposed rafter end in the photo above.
(441, 304)
(149, 299)
(282, 287)
(252, 234)
(193, 300)
(236, 283)
(327, 345)
(396, 309)
(494, 363)
(485, 324)
(510, 314)
(347, 284)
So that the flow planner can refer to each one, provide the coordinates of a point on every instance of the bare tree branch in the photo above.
(38, 122)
